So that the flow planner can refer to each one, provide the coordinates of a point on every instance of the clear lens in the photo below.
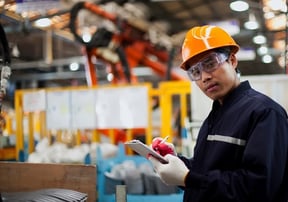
(195, 72)
(209, 64)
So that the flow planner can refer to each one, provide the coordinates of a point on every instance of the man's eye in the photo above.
(209, 64)
(195, 71)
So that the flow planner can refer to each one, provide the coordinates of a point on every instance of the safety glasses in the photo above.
(208, 64)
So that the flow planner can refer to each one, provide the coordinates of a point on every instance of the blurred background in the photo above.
(43, 46)
(90, 75)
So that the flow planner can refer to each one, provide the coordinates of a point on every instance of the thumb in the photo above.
(155, 142)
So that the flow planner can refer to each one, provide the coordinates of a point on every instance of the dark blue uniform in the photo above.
(241, 152)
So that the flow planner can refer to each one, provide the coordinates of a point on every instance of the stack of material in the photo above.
(45, 195)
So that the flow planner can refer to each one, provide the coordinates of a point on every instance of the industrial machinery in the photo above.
(5, 60)
(123, 43)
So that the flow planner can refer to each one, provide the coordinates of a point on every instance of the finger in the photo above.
(156, 141)
(163, 146)
(155, 144)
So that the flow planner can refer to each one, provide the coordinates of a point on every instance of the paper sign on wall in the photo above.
(125, 107)
(83, 109)
(58, 115)
(34, 101)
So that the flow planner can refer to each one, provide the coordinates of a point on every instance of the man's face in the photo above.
(220, 76)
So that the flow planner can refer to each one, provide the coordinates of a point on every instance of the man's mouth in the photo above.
(211, 87)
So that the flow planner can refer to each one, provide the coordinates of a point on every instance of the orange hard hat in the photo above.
(201, 39)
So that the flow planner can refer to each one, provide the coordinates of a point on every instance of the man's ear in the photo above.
(233, 60)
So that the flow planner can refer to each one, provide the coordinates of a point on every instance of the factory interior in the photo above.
(79, 79)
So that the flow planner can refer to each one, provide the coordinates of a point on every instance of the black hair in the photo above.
(224, 50)
(227, 52)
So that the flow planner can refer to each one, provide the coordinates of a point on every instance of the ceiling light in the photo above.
(276, 5)
(277, 23)
(259, 39)
(239, 6)
(267, 59)
(269, 15)
(251, 23)
(74, 66)
(43, 22)
(262, 50)
(86, 36)
(110, 77)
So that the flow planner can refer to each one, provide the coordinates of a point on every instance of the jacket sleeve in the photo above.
(262, 175)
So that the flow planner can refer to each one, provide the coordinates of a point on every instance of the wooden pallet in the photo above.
(19, 177)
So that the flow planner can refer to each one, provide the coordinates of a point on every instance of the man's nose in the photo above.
(205, 76)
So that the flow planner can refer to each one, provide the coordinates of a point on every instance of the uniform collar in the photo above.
(235, 94)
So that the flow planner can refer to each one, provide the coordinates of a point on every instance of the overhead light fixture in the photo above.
(259, 39)
(42, 22)
(110, 77)
(262, 50)
(275, 14)
(252, 23)
(277, 23)
(267, 59)
(276, 5)
(269, 15)
(239, 6)
(86, 36)
(74, 66)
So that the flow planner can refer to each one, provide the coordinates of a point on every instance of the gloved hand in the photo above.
(172, 173)
(163, 148)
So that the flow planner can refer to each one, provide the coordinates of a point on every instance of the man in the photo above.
(241, 152)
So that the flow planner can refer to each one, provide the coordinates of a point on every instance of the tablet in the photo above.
(144, 150)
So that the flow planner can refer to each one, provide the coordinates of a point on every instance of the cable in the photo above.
(101, 38)
(5, 47)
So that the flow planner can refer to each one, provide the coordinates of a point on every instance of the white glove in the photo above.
(172, 173)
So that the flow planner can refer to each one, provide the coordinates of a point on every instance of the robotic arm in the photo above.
(123, 48)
